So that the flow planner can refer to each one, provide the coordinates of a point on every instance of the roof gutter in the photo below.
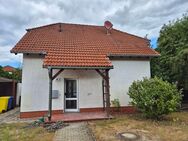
(29, 52)
(77, 67)
(133, 55)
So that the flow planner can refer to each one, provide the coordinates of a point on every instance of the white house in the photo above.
(79, 68)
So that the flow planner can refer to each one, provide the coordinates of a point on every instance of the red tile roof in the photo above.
(9, 69)
(73, 45)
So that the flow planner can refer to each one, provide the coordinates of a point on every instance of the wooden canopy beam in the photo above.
(105, 77)
(101, 74)
(107, 90)
(51, 78)
(55, 75)
(50, 71)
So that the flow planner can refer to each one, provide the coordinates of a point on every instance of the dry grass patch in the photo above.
(173, 127)
(17, 132)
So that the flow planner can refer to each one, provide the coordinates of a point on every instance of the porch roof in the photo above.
(74, 45)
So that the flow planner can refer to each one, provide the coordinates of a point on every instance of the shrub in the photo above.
(116, 104)
(155, 97)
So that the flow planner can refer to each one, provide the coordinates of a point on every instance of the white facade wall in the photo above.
(18, 93)
(89, 87)
(35, 84)
(122, 76)
(35, 87)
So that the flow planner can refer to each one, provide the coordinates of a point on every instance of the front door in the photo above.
(71, 96)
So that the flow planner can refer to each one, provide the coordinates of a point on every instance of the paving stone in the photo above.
(74, 132)
(13, 116)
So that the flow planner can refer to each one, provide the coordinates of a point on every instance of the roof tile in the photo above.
(80, 45)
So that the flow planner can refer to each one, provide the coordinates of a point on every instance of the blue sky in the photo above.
(143, 17)
(15, 64)
(153, 42)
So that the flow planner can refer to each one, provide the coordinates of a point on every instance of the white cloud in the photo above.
(148, 16)
(7, 57)
(138, 17)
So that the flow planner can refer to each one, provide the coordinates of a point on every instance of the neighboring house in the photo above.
(83, 68)
(9, 69)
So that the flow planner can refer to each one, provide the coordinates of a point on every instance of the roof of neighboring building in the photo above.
(9, 68)
(74, 45)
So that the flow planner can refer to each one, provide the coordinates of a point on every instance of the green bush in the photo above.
(155, 97)
(116, 104)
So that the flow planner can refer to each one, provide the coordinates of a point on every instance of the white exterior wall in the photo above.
(35, 87)
(34, 94)
(89, 87)
(122, 76)
(18, 93)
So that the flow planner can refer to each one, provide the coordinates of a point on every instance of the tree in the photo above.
(155, 97)
(172, 65)
(3, 73)
(16, 75)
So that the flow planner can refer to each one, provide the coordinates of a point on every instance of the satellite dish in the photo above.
(108, 25)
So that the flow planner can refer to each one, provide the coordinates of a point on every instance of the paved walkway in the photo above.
(74, 132)
(12, 116)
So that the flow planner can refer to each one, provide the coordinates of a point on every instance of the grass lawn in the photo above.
(173, 127)
(17, 132)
